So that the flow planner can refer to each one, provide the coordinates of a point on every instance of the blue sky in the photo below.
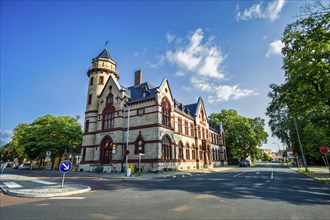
(227, 52)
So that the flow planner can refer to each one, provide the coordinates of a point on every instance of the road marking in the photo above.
(267, 181)
(257, 172)
(272, 175)
(43, 182)
(239, 174)
(12, 185)
(68, 198)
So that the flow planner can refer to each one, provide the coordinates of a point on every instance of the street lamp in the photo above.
(127, 131)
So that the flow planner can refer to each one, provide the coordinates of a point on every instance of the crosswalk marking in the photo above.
(67, 198)
(12, 185)
(43, 182)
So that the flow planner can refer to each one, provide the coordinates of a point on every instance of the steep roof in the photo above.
(143, 91)
(104, 54)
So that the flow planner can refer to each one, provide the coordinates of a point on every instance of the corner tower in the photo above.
(102, 67)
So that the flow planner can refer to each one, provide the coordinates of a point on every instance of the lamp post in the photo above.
(127, 131)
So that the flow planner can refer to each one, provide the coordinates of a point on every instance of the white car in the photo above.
(24, 166)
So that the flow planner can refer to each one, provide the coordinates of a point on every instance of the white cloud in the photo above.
(271, 12)
(170, 37)
(221, 93)
(198, 58)
(202, 63)
(5, 136)
(275, 48)
(179, 74)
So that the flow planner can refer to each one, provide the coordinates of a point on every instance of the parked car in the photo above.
(248, 162)
(24, 166)
(233, 161)
(243, 163)
(15, 165)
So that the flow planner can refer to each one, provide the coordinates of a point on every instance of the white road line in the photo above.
(239, 174)
(12, 185)
(272, 175)
(43, 182)
(257, 172)
(67, 198)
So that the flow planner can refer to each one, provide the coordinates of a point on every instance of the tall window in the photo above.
(101, 80)
(180, 125)
(89, 99)
(193, 152)
(110, 99)
(187, 152)
(108, 114)
(86, 126)
(166, 148)
(192, 132)
(108, 120)
(199, 131)
(166, 112)
(203, 133)
(180, 151)
(186, 128)
(91, 82)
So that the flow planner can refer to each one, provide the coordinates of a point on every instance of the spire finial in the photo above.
(106, 44)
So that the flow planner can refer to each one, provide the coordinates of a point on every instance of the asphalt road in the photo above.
(260, 192)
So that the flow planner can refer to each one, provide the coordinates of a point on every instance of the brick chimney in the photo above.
(138, 78)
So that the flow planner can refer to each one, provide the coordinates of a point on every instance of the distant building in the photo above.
(267, 151)
(161, 131)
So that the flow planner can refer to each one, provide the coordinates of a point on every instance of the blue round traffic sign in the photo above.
(65, 166)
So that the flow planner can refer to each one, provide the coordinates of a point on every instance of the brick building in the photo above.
(145, 119)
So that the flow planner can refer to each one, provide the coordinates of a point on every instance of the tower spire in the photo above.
(106, 44)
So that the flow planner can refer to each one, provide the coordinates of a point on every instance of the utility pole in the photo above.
(301, 149)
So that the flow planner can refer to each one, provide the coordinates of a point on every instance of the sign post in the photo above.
(324, 150)
(65, 167)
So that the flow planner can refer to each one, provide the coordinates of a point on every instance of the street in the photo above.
(259, 192)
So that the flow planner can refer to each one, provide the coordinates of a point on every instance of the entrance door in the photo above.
(106, 150)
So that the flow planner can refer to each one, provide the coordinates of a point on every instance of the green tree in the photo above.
(55, 134)
(17, 145)
(243, 135)
(305, 94)
(266, 158)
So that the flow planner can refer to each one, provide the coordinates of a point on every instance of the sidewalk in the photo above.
(321, 174)
(23, 186)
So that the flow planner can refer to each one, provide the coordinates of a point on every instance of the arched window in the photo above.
(180, 151)
(166, 112)
(166, 148)
(193, 152)
(187, 152)
(108, 114)
(110, 99)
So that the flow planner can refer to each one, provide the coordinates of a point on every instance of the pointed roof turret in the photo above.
(104, 54)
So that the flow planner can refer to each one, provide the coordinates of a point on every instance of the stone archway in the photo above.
(106, 150)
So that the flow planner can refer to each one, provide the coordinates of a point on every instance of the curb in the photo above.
(45, 193)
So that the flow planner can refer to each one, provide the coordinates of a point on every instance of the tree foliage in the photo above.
(47, 133)
(243, 135)
(305, 94)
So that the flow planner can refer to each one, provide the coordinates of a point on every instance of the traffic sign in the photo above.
(48, 153)
(324, 150)
(295, 154)
(126, 152)
(65, 166)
